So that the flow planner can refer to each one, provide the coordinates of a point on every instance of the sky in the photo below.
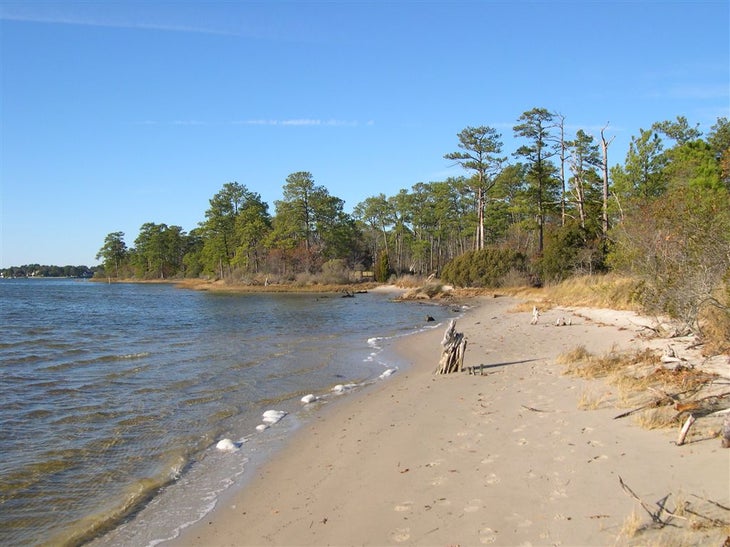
(118, 113)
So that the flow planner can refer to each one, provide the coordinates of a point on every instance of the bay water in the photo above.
(115, 396)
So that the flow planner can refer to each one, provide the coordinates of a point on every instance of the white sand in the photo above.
(506, 458)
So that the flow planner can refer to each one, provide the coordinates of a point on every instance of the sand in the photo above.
(503, 458)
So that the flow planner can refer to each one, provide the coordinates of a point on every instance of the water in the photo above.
(114, 396)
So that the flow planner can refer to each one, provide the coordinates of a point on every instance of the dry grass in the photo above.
(597, 291)
(631, 526)
(527, 305)
(657, 418)
(580, 362)
(642, 383)
(592, 401)
(715, 326)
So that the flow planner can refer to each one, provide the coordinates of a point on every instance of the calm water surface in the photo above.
(114, 396)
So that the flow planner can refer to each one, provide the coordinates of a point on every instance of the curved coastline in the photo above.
(505, 457)
(256, 449)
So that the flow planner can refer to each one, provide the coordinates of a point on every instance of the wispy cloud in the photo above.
(188, 122)
(105, 22)
(291, 122)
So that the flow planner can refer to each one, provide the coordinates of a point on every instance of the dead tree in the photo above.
(454, 348)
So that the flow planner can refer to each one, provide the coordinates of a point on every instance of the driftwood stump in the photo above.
(454, 348)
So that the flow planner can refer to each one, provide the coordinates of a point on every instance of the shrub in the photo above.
(484, 268)
(570, 250)
(382, 268)
(335, 272)
(679, 246)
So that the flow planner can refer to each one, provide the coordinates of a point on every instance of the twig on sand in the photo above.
(655, 516)
(535, 409)
(713, 502)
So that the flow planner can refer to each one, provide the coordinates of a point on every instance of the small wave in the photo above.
(375, 341)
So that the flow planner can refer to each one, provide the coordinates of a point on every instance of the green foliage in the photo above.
(484, 268)
(669, 205)
(382, 268)
(693, 164)
(570, 250)
(113, 253)
(679, 245)
(39, 270)
(541, 176)
(642, 176)
(482, 150)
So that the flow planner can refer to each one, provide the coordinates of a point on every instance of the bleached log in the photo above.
(535, 315)
(685, 429)
(454, 348)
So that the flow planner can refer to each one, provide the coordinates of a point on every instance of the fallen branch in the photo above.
(715, 522)
(713, 502)
(654, 516)
(685, 429)
(655, 403)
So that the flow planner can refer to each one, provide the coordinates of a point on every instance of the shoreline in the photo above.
(505, 458)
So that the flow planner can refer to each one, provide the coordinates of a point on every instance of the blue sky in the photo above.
(114, 114)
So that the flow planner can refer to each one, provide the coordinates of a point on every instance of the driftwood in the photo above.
(454, 348)
(685, 429)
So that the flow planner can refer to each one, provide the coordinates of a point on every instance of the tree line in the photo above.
(556, 202)
(39, 270)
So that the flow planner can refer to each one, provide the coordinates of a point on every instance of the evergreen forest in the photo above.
(556, 207)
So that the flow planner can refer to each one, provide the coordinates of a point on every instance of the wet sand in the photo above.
(503, 458)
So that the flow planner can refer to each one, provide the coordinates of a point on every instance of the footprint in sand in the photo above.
(492, 479)
(521, 521)
(400, 535)
(487, 536)
(438, 481)
(474, 506)
(523, 441)
(490, 458)
(595, 443)
(403, 507)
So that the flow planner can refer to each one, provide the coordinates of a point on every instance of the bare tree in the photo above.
(604, 168)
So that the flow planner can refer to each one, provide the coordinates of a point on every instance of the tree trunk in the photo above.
(604, 168)
(454, 348)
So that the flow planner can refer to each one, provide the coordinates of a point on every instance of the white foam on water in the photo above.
(388, 372)
(273, 416)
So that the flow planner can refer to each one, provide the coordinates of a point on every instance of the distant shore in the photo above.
(505, 457)
(226, 286)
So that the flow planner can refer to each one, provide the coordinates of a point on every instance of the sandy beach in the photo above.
(507, 457)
